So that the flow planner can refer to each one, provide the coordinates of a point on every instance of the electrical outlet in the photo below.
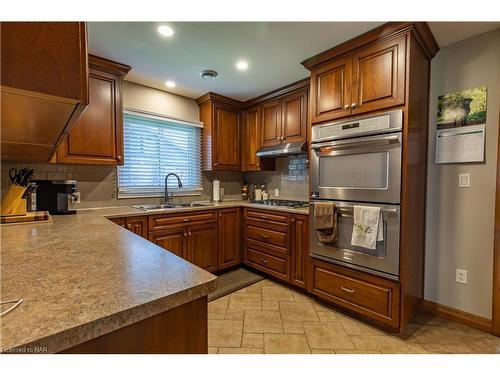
(221, 190)
(76, 197)
(461, 276)
(276, 192)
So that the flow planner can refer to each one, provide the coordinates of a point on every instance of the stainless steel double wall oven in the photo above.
(358, 161)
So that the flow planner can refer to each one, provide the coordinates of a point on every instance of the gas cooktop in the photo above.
(282, 203)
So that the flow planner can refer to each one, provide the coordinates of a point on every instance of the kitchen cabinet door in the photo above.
(227, 139)
(251, 140)
(229, 238)
(138, 225)
(202, 248)
(294, 125)
(331, 90)
(271, 123)
(379, 76)
(173, 240)
(299, 250)
(43, 88)
(97, 136)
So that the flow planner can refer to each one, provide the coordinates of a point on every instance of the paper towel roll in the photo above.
(216, 190)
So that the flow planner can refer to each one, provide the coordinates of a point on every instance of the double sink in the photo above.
(153, 207)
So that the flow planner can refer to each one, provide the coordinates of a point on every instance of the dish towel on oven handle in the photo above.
(368, 227)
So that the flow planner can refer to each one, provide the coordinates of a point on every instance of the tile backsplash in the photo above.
(290, 177)
(98, 184)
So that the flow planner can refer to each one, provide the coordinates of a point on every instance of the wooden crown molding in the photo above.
(302, 84)
(459, 316)
(212, 96)
(108, 66)
(420, 29)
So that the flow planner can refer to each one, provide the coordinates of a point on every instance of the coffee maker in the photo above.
(53, 196)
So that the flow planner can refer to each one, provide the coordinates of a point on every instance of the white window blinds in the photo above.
(155, 146)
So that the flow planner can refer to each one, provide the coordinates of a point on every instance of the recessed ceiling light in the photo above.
(165, 31)
(170, 84)
(242, 65)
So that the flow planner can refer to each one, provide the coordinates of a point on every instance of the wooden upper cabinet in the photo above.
(97, 136)
(227, 139)
(271, 123)
(221, 132)
(44, 86)
(331, 88)
(294, 114)
(251, 141)
(379, 76)
(368, 79)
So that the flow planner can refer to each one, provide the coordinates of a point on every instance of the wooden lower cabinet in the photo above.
(173, 240)
(373, 297)
(136, 224)
(181, 330)
(202, 246)
(229, 238)
(299, 250)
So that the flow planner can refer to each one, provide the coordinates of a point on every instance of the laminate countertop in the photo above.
(83, 276)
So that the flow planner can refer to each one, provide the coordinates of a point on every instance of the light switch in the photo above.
(464, 180)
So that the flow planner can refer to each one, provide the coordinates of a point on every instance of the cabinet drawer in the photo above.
(267, 236)
(282, 218)
(163, 221)
(275, 266)
(371, 296)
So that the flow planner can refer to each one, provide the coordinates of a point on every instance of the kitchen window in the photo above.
(154, 146)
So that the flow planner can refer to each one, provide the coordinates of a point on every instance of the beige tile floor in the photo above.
(268, 317)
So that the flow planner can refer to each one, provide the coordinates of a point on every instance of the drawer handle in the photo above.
(347, 290)
(263, 217)
(264, 260)
(186, 220)
(264, 237)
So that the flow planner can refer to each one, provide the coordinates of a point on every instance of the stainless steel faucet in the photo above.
(167, 198)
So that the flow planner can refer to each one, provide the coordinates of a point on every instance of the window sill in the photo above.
(158, 195)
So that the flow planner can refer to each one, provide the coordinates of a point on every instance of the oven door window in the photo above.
(354, 171)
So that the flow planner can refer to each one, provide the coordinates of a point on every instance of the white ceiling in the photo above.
(273, 50)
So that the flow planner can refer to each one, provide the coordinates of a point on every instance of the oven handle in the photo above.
(394, 138)
(349, 210)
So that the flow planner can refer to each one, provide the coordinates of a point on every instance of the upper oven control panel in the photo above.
(381, 123)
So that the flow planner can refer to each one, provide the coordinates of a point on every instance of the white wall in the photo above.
(145, 98)
(460, 221)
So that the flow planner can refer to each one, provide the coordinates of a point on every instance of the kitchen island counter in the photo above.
(82, 277)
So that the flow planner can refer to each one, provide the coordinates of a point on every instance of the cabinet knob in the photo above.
(129, 226)
(278, 139)
(216, 164)
(258, 164)
(184, 234)
(353, 105)
(346, 107)
(189, 234)
(118, 157)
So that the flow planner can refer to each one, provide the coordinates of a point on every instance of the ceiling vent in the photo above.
(208, 74)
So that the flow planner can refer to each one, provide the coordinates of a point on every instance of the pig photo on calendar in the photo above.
(462, 108)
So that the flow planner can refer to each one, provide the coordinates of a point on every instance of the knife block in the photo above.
(13, 203)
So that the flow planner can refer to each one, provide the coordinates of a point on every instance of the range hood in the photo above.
(285, 149)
